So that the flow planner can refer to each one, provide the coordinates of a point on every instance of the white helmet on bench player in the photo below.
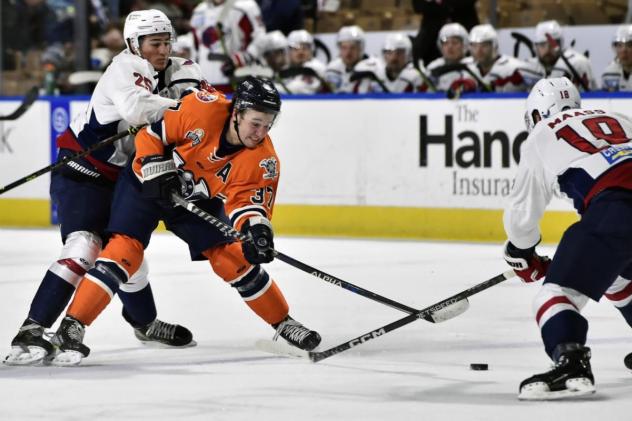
(549, 97)
(145, 22)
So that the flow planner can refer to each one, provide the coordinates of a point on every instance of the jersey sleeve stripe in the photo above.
(236, 215)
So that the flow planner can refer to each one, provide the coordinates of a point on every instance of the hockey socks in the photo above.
(50, 300)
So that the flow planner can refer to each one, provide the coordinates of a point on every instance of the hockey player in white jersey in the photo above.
(498, 72)
(223, 30)
(586, 154)
(351, 42)
(618, 74)
(453, 43)
(553, 60)
(310, 77)
(128, 93)
(393, 72)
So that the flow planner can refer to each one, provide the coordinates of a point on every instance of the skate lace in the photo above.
(292, 331)
(160, 329)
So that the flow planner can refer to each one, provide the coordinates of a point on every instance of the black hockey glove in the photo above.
(526, 263)
(261, 248)
(160, 179)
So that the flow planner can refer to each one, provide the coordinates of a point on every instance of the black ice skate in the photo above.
(69, 340)
(29, 347)
(159, 332)
(570, 377)
(296, 334)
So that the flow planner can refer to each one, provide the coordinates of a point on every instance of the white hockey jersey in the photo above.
(239, 27)
(577, 152)
(504, 76)
(130, 93)
(408, 80)
(535, 71)
(444, 81)
(307, 84)
(337, 74)
(615, 79)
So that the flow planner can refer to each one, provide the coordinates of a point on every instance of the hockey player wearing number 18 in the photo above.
(587, 155)
(127, 95)
(215, 152)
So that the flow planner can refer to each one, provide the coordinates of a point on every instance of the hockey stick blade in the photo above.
(28, 100)
(316, 356)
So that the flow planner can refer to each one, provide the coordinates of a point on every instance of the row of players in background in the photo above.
(241, 41)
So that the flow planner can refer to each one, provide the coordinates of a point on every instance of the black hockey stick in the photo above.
(522, 39)
(355, 76)
(556, 46)
(66, 159)
(457, 67)
(439, 315)
(28, 100)
(304, 71)
(282, 348)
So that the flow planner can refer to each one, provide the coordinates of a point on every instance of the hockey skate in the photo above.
(571, 376)
(69, 341)
(296, 334)
(29, 347)
(159, 332)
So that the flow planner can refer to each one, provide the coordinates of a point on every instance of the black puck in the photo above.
(479, 367)
(628, 361)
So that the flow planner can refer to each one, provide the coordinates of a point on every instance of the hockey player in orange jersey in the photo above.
(218, 153)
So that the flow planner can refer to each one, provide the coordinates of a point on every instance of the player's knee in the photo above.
(139, 280)
(620, 292)
(552, 299)
(121, 258)
(78, 255)
(228, 261)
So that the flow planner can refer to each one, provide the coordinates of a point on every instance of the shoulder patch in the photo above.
(204, 96)
(195, 136)
(269, 165)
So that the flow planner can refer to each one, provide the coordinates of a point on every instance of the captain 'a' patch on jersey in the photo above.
(246, 179)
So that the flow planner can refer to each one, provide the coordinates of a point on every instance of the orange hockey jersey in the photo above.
(245, 179)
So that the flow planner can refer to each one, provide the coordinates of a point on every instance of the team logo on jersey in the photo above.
(617, 152)
(270, 167)
(195, 136)
(205, 96)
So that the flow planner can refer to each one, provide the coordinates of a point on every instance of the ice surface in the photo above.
(418, 372)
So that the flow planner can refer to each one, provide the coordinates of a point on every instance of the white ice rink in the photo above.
(419, 372)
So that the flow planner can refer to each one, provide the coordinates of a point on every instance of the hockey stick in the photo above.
(447, 68)
(437, 315)
(355, 76)
(28, 100)
(556, 46)
(66, 159)
(282, 348)
(522, 39)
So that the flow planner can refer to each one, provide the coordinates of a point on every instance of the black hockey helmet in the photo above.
(257, 93)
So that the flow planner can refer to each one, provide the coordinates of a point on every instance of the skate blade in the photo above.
(574, 388)
(281, 348)
(161, 345)
(34, 356)
(67, 359)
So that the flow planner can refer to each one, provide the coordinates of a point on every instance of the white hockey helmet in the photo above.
(549, 97)
(398, 41)
(274, 40)
(351, 33)
(548, 27)
(145, 22)
(484, 33)
(300, 36)
(452, 30)
(623, 34)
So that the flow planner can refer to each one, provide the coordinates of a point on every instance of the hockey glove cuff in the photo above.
(261, 248)
(526, 263)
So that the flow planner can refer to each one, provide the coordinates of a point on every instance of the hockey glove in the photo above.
(261, 248)
(160, 179)
(460, 86)
(526, 263)
(235, 61)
